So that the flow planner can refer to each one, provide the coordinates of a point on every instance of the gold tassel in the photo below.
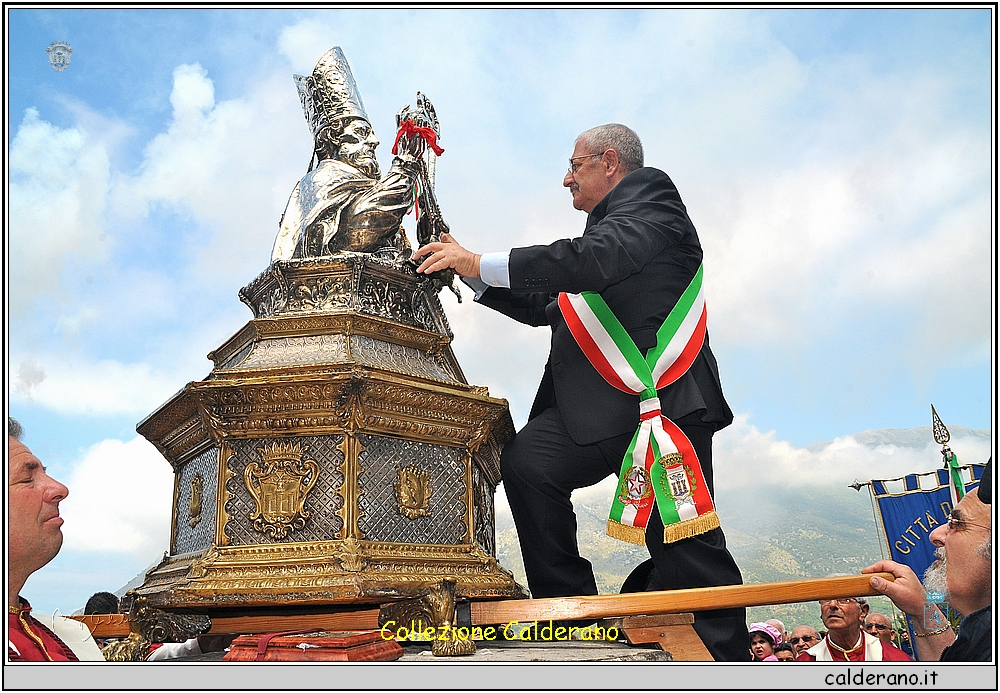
(689, 528)
(633, 535)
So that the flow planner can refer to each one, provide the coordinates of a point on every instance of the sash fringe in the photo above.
(633, 535)
(689, 528)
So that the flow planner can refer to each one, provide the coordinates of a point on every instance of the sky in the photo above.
(838, 165)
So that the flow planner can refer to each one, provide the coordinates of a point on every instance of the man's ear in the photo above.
(612, 164)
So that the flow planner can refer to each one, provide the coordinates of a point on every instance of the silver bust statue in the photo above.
(342, 203)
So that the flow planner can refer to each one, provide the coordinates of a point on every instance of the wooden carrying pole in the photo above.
(556, 608)
(672, 601)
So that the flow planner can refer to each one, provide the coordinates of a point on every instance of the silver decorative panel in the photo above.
(201, 536)
(397, 357)
(380, 518)
(323, 502)
(237, 357)
(485, 531)
(296, 351)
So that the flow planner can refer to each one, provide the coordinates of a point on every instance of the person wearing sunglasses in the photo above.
(879, 625)
(963, 572)
(845, 640)
(802, 638)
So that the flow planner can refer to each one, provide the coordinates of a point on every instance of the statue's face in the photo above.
(357, 147)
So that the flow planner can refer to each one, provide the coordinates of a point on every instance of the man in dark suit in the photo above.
(639, 251)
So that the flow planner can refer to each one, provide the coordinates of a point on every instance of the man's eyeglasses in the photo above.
(804, 638)
(955, 522)
(876, 626)
(841, 600)
(574, 167)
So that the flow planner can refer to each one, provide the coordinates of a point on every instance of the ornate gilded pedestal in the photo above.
(335, 454)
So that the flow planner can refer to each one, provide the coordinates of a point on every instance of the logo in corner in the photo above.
(59, 53)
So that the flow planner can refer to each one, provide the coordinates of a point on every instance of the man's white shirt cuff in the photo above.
(493, 269)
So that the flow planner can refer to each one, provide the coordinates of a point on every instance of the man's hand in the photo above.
(905, 591)
(447, 253)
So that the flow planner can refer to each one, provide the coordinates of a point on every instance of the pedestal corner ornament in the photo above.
(336, 453)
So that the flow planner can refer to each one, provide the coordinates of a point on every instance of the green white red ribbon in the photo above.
(660, 462)
(956, 485)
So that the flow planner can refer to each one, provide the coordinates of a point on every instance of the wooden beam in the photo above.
(672, 601)
(556, 608)
(366, 619)
(105, 625)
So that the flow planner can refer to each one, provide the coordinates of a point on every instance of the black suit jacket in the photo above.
(639, 251)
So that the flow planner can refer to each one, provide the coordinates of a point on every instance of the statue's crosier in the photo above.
(342, 203)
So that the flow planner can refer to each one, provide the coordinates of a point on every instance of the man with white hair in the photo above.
(963, 573)
(845, 640)
(628, 283)
(780, 626)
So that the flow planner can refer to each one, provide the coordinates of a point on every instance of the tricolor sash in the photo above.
(660, 462)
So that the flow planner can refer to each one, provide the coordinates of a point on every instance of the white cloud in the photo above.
(71, 385)
(58, 187)
(854, 234)
(745, 457)
(29, 376)
(304, 42)
(119, 500)
(229, 166)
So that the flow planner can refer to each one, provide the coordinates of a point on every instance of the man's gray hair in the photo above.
(14, 429)
(985, 550)
(618, 137)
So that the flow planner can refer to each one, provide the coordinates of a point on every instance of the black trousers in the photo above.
(541, 468)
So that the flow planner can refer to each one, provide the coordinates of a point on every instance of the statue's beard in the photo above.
(936, 577)
(365, 162)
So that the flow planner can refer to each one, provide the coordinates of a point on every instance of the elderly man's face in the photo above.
(589, 183)
(34, 531)
(967, 569)
(802, 638)
(843, 615)
(357, 147)
(879, 626)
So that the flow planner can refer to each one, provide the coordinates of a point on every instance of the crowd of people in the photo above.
(962, 573)
(850, 633)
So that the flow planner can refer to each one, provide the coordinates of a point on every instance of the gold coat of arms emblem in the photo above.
(413, 492)
(279, 484)
(194, 501)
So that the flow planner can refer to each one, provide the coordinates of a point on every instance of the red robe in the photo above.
(30, 641)
(890, 653)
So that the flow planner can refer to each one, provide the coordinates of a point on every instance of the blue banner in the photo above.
(911, 507)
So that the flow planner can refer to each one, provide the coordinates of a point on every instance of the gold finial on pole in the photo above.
(941, 435)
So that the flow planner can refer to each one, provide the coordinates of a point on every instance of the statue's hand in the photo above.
(416, 146)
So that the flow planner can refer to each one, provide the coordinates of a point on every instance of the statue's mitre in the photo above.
(330, 93)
